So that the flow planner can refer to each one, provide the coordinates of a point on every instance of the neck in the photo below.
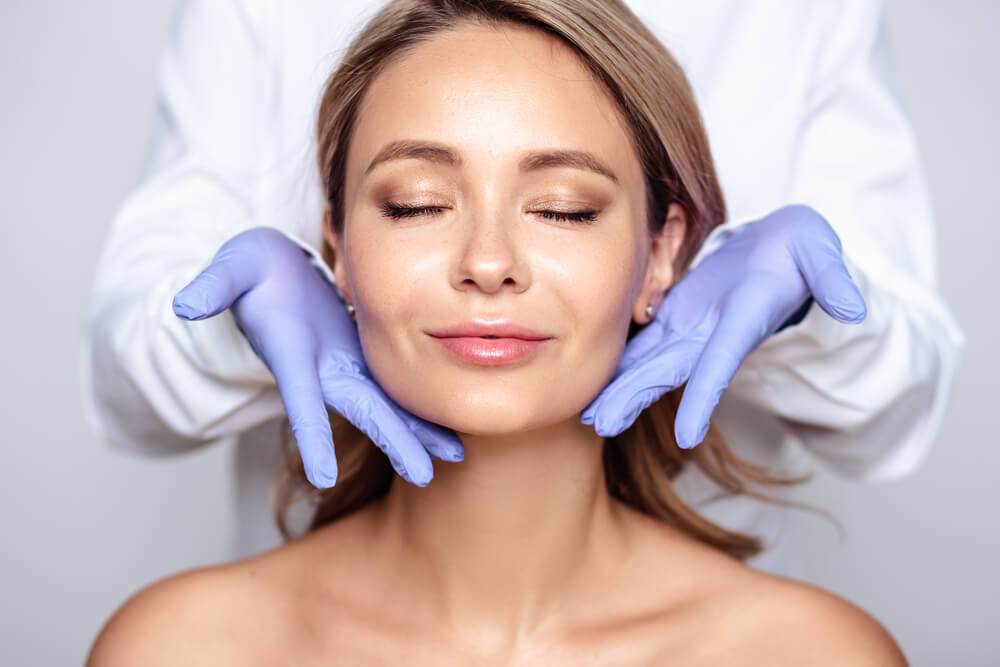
(507, 539)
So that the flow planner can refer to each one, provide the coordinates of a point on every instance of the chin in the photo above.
(492, 423)
(498, 413)
(494, 419)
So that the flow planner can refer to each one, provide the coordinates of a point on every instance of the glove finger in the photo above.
(658, 331)
(822, 266)
(302, 395)
(366, 406)
(645, 340)
(440, 442)
(835, 292)
(289, 355)
(733, 339)
(215, 289)
(636, 350)
(664, 368)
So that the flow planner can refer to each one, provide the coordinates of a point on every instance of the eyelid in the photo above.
(399, 211)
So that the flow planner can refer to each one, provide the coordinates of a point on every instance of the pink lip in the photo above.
(499, 329)
(510, 343)
(490, 352)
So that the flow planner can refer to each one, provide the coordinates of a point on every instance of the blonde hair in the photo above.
(656, 101)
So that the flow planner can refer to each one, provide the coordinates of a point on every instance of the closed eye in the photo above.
(392, 210)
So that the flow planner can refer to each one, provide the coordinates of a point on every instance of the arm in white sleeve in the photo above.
(153, 383)
(867, 399)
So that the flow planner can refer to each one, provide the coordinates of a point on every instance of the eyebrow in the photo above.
(531, 161)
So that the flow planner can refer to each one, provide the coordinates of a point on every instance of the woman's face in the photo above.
(453, 227)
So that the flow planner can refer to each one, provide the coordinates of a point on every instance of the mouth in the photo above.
(490, 330)
(490, 350)
(490, 342)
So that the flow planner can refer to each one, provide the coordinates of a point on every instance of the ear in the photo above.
(339, 271)
(664, 248)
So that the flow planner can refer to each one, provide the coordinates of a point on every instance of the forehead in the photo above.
(493, 92)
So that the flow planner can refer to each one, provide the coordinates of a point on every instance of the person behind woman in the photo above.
(542, 167)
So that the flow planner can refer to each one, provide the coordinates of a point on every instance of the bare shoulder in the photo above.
(721, 611)
(797, 623)
(278, 607)
(229, 614)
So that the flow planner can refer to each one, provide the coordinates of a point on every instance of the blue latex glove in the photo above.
(299, 327)
(720, 312)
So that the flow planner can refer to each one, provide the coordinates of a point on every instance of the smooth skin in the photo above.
(517, 555)
(332, 598)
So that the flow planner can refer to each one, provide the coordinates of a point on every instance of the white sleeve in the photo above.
(153, 383)
(868, 399)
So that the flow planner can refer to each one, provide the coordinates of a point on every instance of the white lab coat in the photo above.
(798, 107)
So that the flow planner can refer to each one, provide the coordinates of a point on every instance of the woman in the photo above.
(512, 191)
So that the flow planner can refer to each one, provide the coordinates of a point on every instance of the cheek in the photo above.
(385, 282)
(379, 285)
(601, 292)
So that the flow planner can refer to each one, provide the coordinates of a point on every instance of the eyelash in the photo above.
(392, 210)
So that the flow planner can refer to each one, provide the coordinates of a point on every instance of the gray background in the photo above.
(84, 528)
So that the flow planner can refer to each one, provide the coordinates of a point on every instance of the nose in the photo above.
(490, 256)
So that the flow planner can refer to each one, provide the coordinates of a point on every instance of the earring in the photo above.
(649, 310)
(350, 310)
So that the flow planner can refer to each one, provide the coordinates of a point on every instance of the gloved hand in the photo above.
(299, 327)
(720, 312)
